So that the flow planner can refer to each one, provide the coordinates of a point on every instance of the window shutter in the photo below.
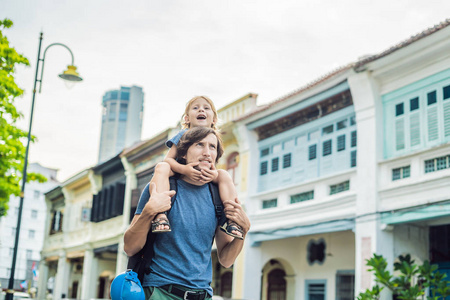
(326, 148)
(414, 129)
(447, 118)
(312, 152)
(110, 202)
(101, 205)
(432, 123)
(61, 215)
(52, 227)
(354, 139)
(353, 159)
(341, 142)
(263, 168)
(399, 134)
(119, 199)
(95, 204)
(275, 164)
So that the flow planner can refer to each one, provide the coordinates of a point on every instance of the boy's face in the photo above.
(204, 151)
(200, 114)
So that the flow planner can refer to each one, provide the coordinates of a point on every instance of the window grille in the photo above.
(326, 148)
(263, 168)
(353, 159)
(287, 160)
(269, 203)
(340, 187)
(312, 152)
(275, 164)
(302, 197)
(341, 142)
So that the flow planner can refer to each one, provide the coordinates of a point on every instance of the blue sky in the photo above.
(179, 49)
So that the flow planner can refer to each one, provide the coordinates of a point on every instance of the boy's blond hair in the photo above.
(185, 125)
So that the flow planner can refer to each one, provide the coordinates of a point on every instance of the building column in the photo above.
(89, 278)
(370, 236)
(251, 280)
(247, 270)
(131, 184)
(290, 286)
(61, 286)
(122, 259)
(42, 280)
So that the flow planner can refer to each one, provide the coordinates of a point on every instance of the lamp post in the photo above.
(71, 75)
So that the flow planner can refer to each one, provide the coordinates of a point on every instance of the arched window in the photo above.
(226, 282)
(232, 164)
(277, 285)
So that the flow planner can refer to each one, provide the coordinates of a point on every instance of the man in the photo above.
(182, 267)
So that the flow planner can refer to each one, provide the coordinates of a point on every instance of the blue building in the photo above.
(355, 163)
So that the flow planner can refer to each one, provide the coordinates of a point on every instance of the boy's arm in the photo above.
(187, 170)
(171, 160)
(228, 248)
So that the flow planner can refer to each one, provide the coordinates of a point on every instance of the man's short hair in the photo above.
(194, 135)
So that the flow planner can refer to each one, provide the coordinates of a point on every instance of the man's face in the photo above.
(204, 151)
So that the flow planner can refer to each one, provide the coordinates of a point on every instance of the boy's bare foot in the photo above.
(160, 224)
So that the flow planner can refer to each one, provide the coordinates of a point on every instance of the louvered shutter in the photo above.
(399, 134)
(432, 123)
(447, 118)
(414, 129)
(101, 205)
(119, 199)
(95, 205)
(109, 203)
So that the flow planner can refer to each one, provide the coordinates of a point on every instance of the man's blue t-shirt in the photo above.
(183, 256)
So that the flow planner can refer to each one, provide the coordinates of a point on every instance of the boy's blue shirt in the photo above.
(176, 139)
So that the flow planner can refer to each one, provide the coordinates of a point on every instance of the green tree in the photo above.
(12, 149)
(411, 283)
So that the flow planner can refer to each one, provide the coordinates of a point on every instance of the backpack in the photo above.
(140, 262)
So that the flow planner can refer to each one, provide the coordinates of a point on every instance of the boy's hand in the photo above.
(190, 171)
(209, 175)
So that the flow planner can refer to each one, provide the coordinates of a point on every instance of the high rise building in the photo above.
(34, 215)
(121, 120)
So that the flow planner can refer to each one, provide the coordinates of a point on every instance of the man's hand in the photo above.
(234, 212)
(209, 175)
(158, 202)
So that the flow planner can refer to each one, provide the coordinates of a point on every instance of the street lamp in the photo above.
(71, 75)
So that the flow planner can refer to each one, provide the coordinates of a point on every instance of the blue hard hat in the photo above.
(126, 286)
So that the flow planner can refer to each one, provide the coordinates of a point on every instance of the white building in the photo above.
(121, 120)
(31, 237)
(356, 163)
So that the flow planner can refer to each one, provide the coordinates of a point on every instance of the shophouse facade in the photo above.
(353, 164)
(80, 253)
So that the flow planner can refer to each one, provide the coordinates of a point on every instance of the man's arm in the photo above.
(228, 248)
(136, 234)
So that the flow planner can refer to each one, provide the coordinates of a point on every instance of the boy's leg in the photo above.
(161, 179)
(227, 191)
